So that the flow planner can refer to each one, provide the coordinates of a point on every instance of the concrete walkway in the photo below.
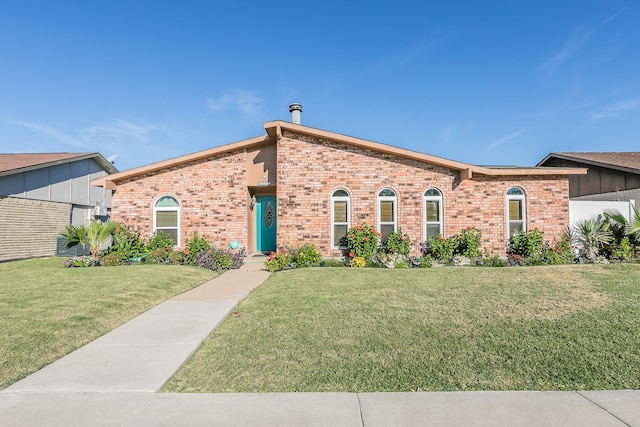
(114, 381)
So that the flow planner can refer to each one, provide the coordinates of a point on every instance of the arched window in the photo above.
(387, 212)
(166, 217)
(516, 221)
(340, 216)
(432, 213)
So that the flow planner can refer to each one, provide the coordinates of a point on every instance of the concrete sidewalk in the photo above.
(113, 381)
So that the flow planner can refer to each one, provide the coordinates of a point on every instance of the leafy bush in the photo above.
(466, 243)
(222, 260)
(216, 260)
(127, 242)
(306, 256)
(527, 244)
(624, 251)
(205, 260)
(112, 259)
(362, 241)
(160, 240)
(176, 257)
(558, 253)
(237, 258)
(195, 245)
(398, 243)
(159, 255)
(439, 247)
(357, 262)
(280, 260)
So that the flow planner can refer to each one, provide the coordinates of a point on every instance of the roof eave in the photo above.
(154, 167)
(589, 162)
(106, 165)
(466, 170)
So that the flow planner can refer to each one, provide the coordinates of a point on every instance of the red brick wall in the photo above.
(309, 169)
(212, 194)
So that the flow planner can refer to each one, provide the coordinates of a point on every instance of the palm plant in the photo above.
(630, 227)
(594, 235)
(94, 235)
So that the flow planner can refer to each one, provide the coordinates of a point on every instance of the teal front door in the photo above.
(266, 221)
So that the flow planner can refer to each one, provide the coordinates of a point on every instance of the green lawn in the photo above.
(364, 330)
(47, 311)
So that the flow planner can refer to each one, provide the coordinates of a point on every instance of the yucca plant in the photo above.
(94, 235)
(594, 235)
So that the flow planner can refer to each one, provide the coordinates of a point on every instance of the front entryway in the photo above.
(266, 223)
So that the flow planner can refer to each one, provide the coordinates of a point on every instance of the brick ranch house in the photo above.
(298, 184)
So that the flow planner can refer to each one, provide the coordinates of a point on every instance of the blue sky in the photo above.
(499, 82)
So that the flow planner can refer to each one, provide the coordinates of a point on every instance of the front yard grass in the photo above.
(47, 311)
(370, 330)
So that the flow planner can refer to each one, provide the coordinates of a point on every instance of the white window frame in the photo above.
(334, 199)
(393, 199)
(522, 198)
(425, 222)
(167, 209)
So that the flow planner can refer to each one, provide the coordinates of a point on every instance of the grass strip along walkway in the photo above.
(47, 311)
(366, 330)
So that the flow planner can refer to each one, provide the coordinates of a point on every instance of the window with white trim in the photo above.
(515, 211)
(432, 202)
(340, 216)
(166, 217)
(387, 212)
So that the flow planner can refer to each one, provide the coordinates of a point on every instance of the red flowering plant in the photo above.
(362, 241)
(195, 245)
(398, 243)
(280, 260)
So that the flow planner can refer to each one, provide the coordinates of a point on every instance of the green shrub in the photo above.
(398, 243)
(527, 244)
(159, 240)
(222, 260)
(439, 247)
(362, 241)
(306, 256)
(466, 243)
(127, 242)
(111, 259)
(195, 245)
(176, 257)
(159, 256)
(280, 260)
(214, 259)
(624, 251)
(559, 252)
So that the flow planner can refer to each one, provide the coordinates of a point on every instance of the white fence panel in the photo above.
(580, 210)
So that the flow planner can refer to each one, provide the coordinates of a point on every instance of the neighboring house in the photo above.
(41, 193)
(612, 181)
(297, 184)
